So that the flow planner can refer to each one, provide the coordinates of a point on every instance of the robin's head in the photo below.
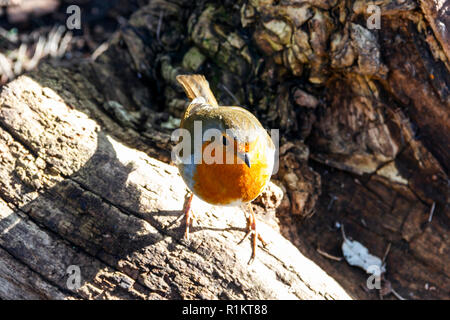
(228, 134)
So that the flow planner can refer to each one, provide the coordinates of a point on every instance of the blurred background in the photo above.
(33, 30)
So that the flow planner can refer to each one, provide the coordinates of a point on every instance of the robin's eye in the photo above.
(224, 140)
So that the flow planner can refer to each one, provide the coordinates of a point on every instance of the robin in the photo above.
(245, 150)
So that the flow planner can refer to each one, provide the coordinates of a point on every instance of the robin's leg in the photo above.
(251, 225)
(189, 215)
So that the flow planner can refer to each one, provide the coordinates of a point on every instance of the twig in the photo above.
(21, 56)
(38, 54)
(386, 252)
(329, 256)
(363, 222)
(430, 217)
(158, 28)
(102, 48)
(230, 93)
(5, 67)
(399, 297)
(64, 44)
(54, 39)
(332, 200)
(343, 232)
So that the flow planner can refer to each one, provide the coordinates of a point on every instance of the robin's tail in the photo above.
(195, 85)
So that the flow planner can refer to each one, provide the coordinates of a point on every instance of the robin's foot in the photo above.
(189, 215)
(251, 225)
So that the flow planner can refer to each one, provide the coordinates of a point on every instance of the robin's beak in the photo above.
(246, 158)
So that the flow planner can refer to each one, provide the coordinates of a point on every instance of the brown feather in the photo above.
(196, 85)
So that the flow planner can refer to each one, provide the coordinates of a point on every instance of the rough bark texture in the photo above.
(364, 123)
(73, 195)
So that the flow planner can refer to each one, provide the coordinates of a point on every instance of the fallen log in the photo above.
(73, 195)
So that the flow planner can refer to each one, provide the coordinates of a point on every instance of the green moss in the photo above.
(193, 59)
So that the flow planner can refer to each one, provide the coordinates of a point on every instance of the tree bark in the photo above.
(363, 118)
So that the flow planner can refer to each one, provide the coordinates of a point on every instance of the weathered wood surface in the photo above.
(364, 123)
(70, 194)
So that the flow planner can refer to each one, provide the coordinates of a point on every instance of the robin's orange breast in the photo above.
(224, 184)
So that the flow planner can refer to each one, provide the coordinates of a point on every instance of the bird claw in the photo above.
(251, 225)
(189, 215)
(255, 235)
